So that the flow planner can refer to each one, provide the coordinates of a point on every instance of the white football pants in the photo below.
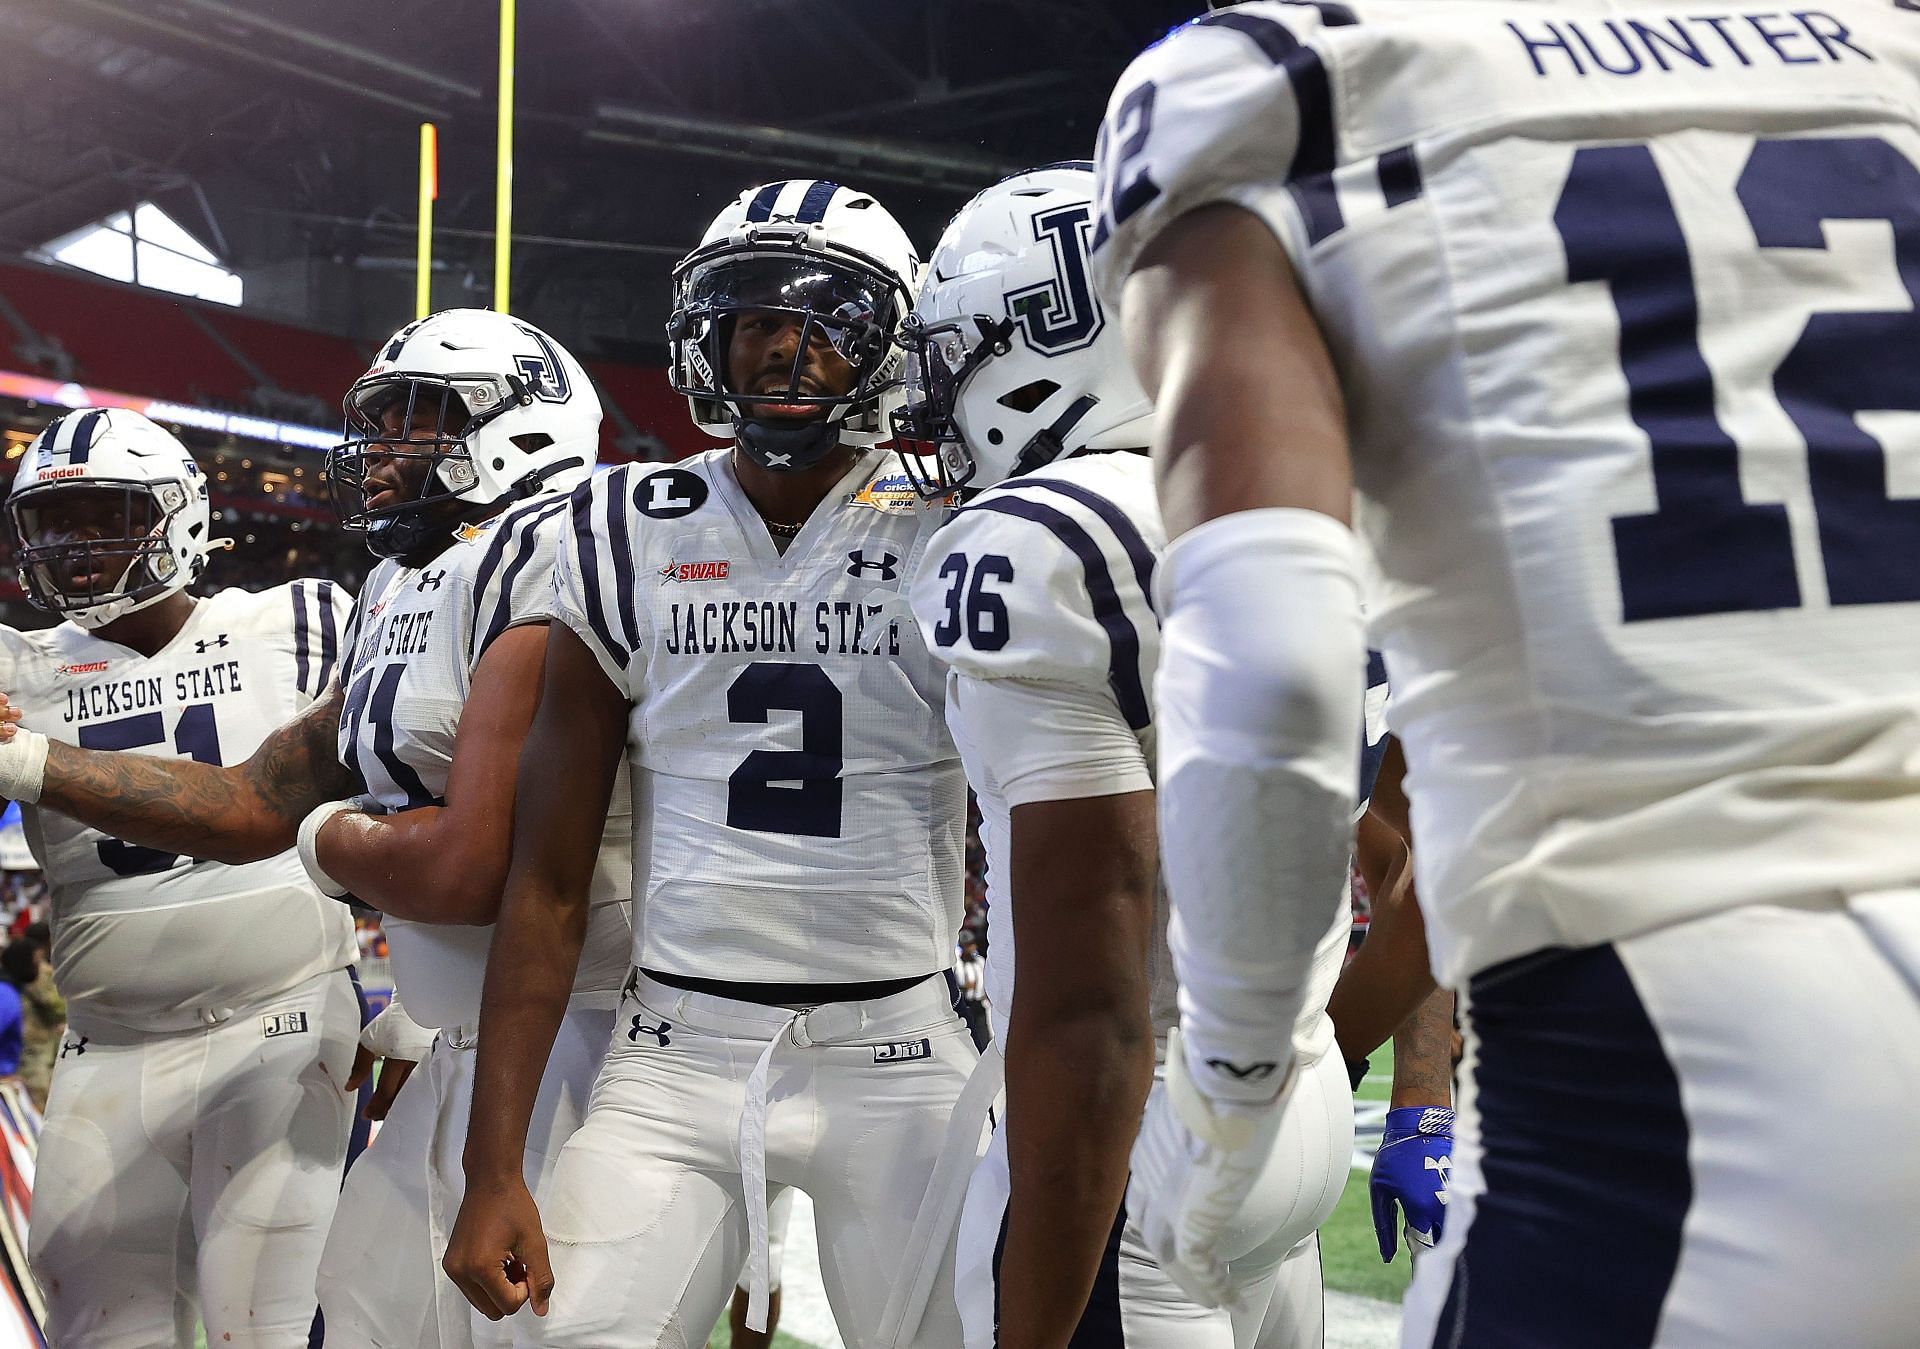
(200, 1161)
(708, 1106)
(381, 1285)
(1695, 1138)
(1133, 1304)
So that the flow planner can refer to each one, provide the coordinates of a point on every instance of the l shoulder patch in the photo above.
(669, 494)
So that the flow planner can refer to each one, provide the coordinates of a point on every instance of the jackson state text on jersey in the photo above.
(418, 636)
(242, 665)
(799, 806)
(1611, 293)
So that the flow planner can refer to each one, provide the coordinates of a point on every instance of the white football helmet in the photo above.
(509, 412)
(1011, 361)
(109, 515)
(831, 258)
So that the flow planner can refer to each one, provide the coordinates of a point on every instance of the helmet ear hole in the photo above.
(532, 442)
(1028, 396)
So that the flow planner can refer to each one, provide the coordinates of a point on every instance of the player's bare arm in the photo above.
(1389, 979)
(448, 863)
(1079, 1051)
(1222, 337)
(566, 778)
(239, 814)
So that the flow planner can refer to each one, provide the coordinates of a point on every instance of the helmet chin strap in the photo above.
(784, 447)
(1045, 447)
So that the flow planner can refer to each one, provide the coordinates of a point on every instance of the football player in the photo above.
(1597, 316)
(735, 628)
(1038, 597)
(463, 439)
(197, 1123)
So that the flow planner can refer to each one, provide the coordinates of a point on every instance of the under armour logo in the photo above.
(857, 563)
(430, 580)
(1252, 1072)
(74, 1047)
(658, 1032)
(204, 646)
(778, 460)
(1444, 1165)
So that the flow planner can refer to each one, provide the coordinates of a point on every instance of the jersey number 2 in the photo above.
(1706, 549)
(787, 791)
(195, 736)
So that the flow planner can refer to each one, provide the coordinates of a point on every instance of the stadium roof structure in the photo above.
(282, 135)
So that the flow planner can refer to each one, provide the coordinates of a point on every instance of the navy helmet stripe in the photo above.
(813, 206)
(761, 207)
(302, 644)
(81, 445)
(1123, 529)
(1123, 666)
(1400, 179)
(528, 534)
(329, 636)
(586, 545)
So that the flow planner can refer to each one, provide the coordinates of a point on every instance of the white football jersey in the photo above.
(799, 807)
(417, 637)
(1617, 295)
(151, 940)
(1044, 584)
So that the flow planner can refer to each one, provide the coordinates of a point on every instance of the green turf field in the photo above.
(1349, 1256)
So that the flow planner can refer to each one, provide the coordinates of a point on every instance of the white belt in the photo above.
(915, 1010)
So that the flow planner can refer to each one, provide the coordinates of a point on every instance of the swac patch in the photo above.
(282, 1023)
(903, 1051)
(696, 571)
(84, 668)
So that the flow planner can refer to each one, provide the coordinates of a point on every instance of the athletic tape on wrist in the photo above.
(309, 847)
(23, 766)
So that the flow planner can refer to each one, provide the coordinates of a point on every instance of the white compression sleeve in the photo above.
(1261, 693)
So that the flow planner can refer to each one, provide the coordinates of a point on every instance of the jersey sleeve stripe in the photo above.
(1400, 180)
(1123, 529)
(302, 645)
(620, 544)
(329, 636)
(1123, 639)
(527, 532)
(586, 542)
(1310, 176)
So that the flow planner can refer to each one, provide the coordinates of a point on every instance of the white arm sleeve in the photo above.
(1047, 739)
(1261, 688)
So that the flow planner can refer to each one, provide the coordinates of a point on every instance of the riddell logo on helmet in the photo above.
(85, 668)
(55, 474)
(695, 571)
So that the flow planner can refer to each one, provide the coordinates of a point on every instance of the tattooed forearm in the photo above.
(238, 814)
(1423, 1053)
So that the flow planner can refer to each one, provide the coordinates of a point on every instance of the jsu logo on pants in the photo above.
(903, 1051)
(282, 1023)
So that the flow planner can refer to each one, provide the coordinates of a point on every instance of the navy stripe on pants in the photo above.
(1575, 1243)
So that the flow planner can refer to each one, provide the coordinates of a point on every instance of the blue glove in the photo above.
(1411, 1169)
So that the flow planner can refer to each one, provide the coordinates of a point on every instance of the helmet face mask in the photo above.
(835, 277)
(464, 409)
(109, 515)
(417, 424)
(67, 564)
(941, 357)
